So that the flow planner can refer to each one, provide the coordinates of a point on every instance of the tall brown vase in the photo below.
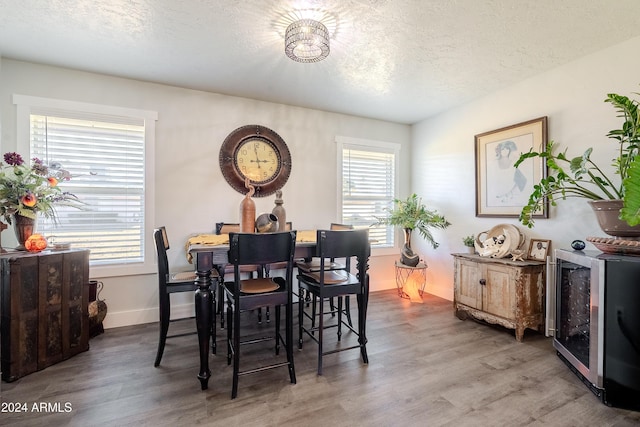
(24, 227)
(248, 210)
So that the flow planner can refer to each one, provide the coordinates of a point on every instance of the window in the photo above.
(108, 152)
(368, 185)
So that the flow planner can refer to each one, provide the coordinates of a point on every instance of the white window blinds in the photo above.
(106, 157)
(368, 188)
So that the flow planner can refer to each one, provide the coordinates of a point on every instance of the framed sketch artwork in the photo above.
(538, 249)
(501, 189)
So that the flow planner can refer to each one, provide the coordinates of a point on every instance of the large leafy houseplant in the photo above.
(581, 177)
(411, 214)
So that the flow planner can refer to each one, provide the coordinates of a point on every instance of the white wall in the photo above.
(443, 162)
(191, 193)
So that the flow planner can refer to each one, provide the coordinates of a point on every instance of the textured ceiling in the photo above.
(397, 60)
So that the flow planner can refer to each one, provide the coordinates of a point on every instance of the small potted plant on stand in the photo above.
(469, 243)
(411, 214)
(581, 177)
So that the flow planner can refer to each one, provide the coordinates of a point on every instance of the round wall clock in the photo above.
(257, 153)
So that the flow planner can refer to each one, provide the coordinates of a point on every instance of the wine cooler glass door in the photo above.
(576, 335)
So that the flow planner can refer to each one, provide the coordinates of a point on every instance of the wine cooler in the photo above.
(596, 321)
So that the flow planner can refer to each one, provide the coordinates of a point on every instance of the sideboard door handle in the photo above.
(483, 282)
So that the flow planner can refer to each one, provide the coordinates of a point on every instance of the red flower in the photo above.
(52, 181)
(29, 200)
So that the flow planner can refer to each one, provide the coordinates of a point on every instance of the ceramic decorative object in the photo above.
(35, 243)
(578, 245)
(97, 311)
(24, 227)
(248, 210)
(407, 256)
(266, 223)
(280, 212)
(500, 241)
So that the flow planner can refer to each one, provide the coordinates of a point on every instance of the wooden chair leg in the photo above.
(339, 318)
(229, 334)
(362, 338)
(165, 314)
(347, 310)
(213, 332)
(236, 351)
(320, 334)
(289, 342)
(307, 298)
(300, 321)
(278, 330)
(221, 302)
(314, 300)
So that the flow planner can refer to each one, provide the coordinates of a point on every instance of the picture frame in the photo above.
(538, 249)
(501, 189)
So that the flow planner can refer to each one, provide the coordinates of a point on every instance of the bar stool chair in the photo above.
(249, 270)
(325, 284)
(314, 265)
(170, 282)
(250, 294)
(281, 265)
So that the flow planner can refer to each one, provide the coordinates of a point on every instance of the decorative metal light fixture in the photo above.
(306, 40)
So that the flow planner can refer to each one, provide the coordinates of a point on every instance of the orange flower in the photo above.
(52, 181)
(29, 200)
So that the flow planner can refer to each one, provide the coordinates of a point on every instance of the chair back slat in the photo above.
(342, 243)
(261, 248)
(162, 243)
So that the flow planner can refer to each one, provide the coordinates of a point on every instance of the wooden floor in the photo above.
(426, 367)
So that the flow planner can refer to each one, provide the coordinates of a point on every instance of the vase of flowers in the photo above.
(24, 227)
(27, 191)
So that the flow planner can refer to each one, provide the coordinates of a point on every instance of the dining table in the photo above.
(210, 251)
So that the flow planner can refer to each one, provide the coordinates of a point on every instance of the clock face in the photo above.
(259, 154)
(257, 160)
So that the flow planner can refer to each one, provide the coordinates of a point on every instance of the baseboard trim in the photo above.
(181, 311)
(147, 315)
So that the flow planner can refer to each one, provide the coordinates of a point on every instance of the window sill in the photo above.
(377, 252)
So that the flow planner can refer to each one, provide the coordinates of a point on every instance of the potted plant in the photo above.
(469, 242)
(29, 190)
(581, 177)
(412, 214)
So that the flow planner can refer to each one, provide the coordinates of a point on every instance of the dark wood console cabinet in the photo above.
(44, 303)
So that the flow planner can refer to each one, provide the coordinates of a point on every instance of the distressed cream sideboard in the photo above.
(500, 291)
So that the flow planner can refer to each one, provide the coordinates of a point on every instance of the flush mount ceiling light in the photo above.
(306, 40)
